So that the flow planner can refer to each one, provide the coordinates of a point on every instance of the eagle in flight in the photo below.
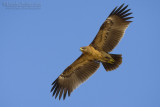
(109, 35)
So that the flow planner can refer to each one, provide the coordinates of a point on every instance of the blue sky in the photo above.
(38, 43)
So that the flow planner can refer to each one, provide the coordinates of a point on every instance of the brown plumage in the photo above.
(109, 35)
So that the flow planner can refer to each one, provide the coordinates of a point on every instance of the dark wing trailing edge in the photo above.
(113, 29)
(75, 74)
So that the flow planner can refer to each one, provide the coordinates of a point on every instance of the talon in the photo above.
(111, 61)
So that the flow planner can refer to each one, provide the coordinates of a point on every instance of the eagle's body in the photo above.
(109, 35)
(99, 55)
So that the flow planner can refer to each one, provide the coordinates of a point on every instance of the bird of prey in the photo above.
(109, 35)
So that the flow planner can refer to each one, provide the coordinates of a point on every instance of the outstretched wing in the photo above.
(75, 74)
(112, 30)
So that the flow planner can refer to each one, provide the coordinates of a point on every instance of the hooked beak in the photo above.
(81, 49)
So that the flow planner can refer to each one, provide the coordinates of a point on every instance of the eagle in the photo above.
(108, 36)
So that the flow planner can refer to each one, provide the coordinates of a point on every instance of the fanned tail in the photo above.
(117, 61)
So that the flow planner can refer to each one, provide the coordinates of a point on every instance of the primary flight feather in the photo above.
(109, 35)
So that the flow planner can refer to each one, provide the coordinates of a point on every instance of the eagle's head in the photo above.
(84, 49)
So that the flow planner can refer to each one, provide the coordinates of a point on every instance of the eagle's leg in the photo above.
(111, 61)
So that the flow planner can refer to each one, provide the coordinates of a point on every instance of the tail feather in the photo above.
(117, 61)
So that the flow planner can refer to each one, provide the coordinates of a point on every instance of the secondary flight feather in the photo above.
(109, 35)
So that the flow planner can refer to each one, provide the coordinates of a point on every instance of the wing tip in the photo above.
(59, 90)
(122, 12)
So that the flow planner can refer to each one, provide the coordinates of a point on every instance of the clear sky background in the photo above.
(37, 44)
